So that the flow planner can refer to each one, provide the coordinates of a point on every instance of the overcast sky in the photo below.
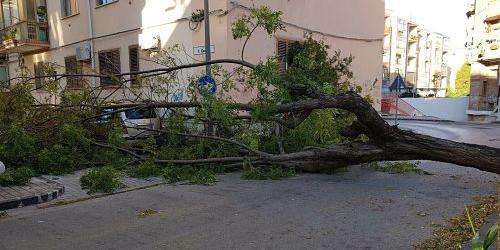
(443, 16)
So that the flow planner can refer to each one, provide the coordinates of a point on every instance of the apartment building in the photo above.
(114, 36)
(483, 41)
(418, 55)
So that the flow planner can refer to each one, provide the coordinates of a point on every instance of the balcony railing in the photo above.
(24, 37)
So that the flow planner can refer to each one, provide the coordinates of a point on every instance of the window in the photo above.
(43, 71)
(10, 12)
(103, 2)
(4, 71)
(109, 64)
(283, 48)
(133, 53)
(73, 67)
(69, 8)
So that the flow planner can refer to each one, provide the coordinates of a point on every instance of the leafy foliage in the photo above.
(105, 179)
(191, 175)
(400, 168)
(462, 82)
(16, 176)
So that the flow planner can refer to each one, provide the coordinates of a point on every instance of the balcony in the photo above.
(493, 15)
(489, 53)
(25, 37)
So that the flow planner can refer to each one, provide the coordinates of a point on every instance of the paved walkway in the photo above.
(50, 190)
(38, 191)
(74, 192)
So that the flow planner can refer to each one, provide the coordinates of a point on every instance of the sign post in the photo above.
(208, 56)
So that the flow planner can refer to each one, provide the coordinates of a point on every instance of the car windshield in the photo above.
(105, 117)
(140, 114)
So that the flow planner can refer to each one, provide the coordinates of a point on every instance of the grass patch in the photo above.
(268, 173)
(191, 175)
(457, 231)
(146, 213)
(16, 177)
(105, 180)
(400, 167)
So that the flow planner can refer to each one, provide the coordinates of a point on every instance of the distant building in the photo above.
(416, 54)
(483, 48)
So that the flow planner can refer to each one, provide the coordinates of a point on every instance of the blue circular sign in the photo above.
(206, 85)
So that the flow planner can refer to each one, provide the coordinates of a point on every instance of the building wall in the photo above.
(125, 23)
(483, 35)
(417, 55)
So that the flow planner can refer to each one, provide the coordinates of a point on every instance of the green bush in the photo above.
(105, 179)
(189, 174)
(16, 147)
(270, 173)
(145, 170)
(16, 176)
(56, 160)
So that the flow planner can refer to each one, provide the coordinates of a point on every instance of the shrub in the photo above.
(105, 179)
(145, 170)
(16, 147)
(56, 160)
(16, 176)
(189, 174)
(270, 173)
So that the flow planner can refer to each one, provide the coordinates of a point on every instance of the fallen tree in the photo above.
(311, 117)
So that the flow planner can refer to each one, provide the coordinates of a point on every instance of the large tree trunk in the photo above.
(387, 143)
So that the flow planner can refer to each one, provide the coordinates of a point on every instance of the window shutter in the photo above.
(109, 64)
(283, 55)
(73, 67)
(133, 62)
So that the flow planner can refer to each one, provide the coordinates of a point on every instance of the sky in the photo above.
(443, 16)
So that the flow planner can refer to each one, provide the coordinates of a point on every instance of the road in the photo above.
(358, 209)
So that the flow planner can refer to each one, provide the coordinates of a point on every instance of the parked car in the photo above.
(135, 122)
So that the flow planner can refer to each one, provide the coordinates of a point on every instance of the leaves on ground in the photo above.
(144, 213)
(457, 231)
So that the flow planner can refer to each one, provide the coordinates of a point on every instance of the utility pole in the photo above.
(208, 55)
(398, 78)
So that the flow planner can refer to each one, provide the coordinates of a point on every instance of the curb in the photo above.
(31, 200)
(96, 196)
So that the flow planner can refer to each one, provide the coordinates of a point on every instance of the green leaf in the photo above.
(491, 236)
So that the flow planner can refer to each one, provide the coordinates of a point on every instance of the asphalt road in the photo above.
(359, 209)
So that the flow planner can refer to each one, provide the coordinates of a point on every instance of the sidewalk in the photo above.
(38, 191)
(414, 118)
(47, 191)
(74, 192)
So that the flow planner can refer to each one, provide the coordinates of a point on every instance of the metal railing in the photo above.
(26, 32)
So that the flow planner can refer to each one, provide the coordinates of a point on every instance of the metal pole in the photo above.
(398, 78)
(208, 55)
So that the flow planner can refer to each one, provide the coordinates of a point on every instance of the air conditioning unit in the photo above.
(150, 41)
(84, 51)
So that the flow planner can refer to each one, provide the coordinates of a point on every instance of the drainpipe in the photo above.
(407, 51)
(91, 33)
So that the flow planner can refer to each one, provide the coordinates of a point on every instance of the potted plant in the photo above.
(41, 13)
(9, 39)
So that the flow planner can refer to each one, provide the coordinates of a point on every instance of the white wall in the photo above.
(453, 109)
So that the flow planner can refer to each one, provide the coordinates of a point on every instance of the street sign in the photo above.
(200, 50)
(206, 84)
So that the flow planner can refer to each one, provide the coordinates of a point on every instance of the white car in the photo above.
(136, 122)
